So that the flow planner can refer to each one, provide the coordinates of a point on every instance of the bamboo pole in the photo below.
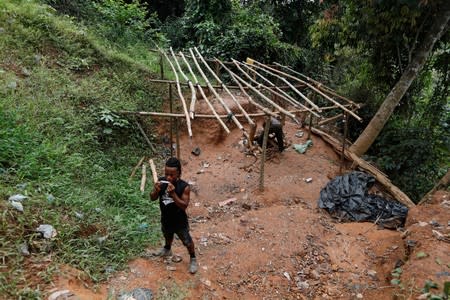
(343, 143)
(136, 167)
(320, 85)
(313, 105)
(191, 86)
(282, 110)
(283, 94)
(153, 168)
(251, 135)
(179, 115)
(183, 101)
(202, 93)
(311, 87)
(143, 178)
(264, 109)
(232, 87)
(334, 118)
(192, 107)
(145, 136)
(227, 109)
(171, 119)
(264, 150)
(177, 132)
(219, 82)
(224, 126)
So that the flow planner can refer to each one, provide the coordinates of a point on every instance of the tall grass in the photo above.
(55, 80)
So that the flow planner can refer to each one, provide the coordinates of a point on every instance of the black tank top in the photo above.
(172, 217)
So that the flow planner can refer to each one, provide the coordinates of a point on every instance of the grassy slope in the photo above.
(57, 148)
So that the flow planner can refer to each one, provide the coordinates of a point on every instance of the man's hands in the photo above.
(170, 188)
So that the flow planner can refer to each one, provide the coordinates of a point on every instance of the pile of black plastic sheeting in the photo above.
(347, 199)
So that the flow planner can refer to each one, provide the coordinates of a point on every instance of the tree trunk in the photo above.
(443, 184)
(437, 29)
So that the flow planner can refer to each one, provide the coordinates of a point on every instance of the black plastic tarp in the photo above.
(347, 199)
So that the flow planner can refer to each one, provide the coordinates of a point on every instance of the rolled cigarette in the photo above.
(164, 181)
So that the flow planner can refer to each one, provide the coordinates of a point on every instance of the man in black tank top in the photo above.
(174, 196)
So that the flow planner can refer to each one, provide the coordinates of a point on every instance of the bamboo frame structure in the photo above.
(286, 89)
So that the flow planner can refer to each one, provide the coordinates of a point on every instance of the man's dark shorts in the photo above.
(182, 233)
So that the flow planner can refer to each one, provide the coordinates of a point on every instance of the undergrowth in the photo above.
(57, 82)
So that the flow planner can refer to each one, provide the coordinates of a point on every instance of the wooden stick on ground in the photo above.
(143, 178)
(153, 168)
(145, 136)
(136, 167)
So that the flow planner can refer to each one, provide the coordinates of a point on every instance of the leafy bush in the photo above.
(412, 156)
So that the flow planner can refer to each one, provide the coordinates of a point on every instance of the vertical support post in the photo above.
(217, 71)
(161, 65)
(264, 148)
(251, 136)
(178, 138)
(171, 119)
(343, 141)
(310, 126)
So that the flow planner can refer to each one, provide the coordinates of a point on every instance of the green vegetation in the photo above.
(63, 148)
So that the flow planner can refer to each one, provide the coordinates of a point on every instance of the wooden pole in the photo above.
(180, 93)
(311, 87)
(136, 167)
(282, 94)
(310, 127)
(161, 66)
(343, 142)
(264, 109)
(313, 105)
(145, 136)
(211, 88)
(264, 149)
(178, 138)
(193, 94)
(179, 115)
(251, 135)
(192, 107)
(171, 119)
(320, 85)
(395, 191)
(143, 178)
(231, 87)
(219, 82)
(279, 108)
(153, 168)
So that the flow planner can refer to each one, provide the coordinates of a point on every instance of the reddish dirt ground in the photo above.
(277, 244)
